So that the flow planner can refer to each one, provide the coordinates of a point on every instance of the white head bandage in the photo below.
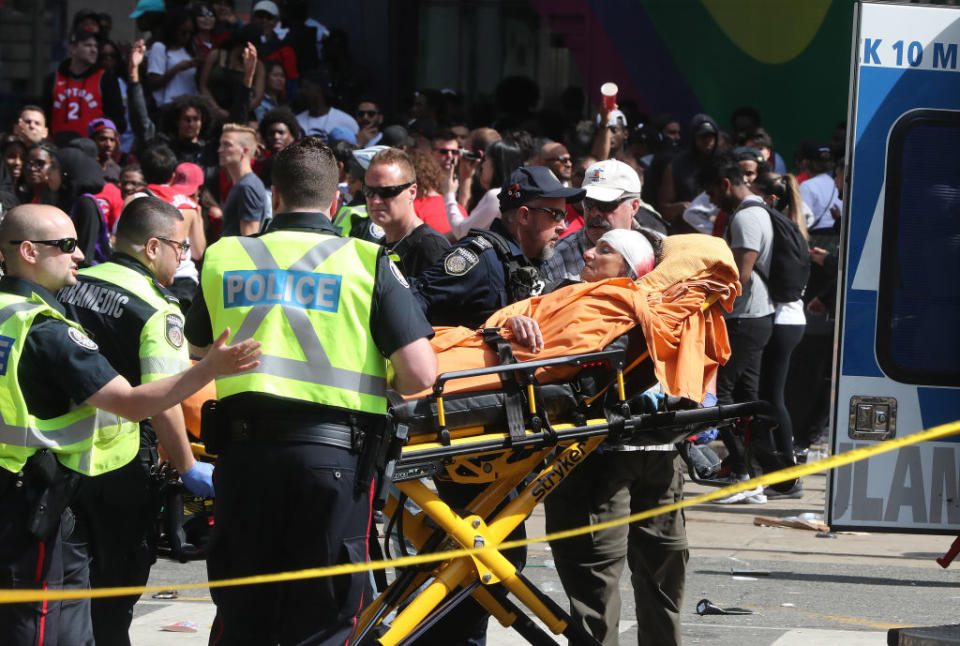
(634, 247)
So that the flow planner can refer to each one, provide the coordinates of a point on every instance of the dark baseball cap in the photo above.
(82, 34)
(748, 153)
(527, 183)
(815, 150)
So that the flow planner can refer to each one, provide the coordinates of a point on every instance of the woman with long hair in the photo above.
(221, 79)
(14, 154)
(429, 203)
(781, 192)
(500, 159)
(275, 89)
(171, 62)
(41, 175)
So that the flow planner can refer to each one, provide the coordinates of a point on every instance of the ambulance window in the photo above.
(918, 304)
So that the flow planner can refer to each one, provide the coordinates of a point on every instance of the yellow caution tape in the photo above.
(935, 433)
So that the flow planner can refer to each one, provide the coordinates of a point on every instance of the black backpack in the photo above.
(790, 260)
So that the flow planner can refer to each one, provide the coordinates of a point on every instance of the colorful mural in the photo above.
(790, 60)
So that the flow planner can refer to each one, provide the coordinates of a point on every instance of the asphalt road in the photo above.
(846, 590)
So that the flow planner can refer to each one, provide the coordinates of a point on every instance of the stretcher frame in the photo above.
(421, 597)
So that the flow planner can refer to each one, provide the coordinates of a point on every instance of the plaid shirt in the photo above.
(567, 260)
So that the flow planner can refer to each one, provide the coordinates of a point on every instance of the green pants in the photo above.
(613, 485)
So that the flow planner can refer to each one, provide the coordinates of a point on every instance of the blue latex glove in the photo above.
(199, 479)
(653, 402)
(705, 437)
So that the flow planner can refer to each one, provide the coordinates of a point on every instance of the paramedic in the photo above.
(65, 415)
(329, 311)
(125, 307)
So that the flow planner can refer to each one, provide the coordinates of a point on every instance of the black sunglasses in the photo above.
(385, 192)
(66, 245)
(563, 159)
(559, 215)
(367, 113)
(603, 207)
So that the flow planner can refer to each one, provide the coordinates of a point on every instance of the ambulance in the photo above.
(897, 359)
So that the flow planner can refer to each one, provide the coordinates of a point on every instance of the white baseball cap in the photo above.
(616, 118)
(266, 6)
(607, 180)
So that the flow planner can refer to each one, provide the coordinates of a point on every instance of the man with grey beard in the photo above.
(612, 202)
(487, 270)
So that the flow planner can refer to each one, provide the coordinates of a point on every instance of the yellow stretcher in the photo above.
(526, 437)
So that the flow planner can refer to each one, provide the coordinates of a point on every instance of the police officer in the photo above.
(487, 270)
(352, 218)
(64, 414)
(329, 311)
(125, 307)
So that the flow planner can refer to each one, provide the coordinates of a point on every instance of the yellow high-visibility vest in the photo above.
(307, 297)
(86, 439)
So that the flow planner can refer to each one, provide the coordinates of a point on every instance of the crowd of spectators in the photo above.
(194, 113)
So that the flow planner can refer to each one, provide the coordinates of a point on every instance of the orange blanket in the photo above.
(686, 343)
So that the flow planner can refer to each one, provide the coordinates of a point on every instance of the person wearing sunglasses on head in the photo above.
(125, 307)
(68, 418)
(612, 201)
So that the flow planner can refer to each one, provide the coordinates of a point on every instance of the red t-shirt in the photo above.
(111, 203)
(433, 211)
(173, 195)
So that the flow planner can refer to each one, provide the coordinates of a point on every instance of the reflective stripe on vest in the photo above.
(344, 217)
(302, 292)
(85, 439)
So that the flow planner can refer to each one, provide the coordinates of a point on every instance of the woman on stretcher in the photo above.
(668, 302)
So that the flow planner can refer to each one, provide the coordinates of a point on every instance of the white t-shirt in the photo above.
(159, 60)
(322, 126)
(701, 214)
(790, 313)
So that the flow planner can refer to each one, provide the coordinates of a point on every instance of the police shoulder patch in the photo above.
(81, 339)
(376, 231)
(398, 274)
(460, 261)
(174, 331)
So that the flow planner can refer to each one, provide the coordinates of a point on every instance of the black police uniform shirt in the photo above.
(466, 287)
(59, 365)
(419, 250)
(395, 318)
(117, 329)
